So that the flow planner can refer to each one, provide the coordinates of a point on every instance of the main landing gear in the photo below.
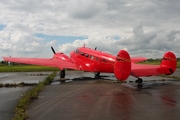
(62, 74)
(139, 80)
(96, 74)
(139, 83)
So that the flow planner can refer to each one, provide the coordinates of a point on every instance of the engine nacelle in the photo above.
(62, 56)
(122, 66)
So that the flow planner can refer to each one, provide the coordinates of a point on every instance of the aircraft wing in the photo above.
(51, 62)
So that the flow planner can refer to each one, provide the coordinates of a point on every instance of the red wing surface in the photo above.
(43, 62)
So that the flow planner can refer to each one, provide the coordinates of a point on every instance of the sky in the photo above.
(28, 28)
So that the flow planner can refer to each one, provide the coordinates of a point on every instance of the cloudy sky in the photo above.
(144, 28)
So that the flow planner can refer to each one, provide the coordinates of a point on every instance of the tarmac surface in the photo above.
(84, 97)
(9, 97)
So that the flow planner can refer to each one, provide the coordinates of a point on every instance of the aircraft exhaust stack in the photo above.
(169, 61)
(122, 66)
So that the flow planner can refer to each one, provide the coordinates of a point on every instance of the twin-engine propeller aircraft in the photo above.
(92, 60)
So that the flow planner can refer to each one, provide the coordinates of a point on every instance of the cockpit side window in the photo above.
(82, 53)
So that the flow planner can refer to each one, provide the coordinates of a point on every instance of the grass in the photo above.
(26, 68)
(35, 68)
(157, 63)
(29, 96)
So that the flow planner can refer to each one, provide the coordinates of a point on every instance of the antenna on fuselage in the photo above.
(53, 50)
(95, 48)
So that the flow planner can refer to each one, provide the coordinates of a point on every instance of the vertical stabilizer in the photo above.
(169, 61)
(122, 66)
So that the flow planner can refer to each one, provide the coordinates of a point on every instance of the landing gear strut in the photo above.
(96, 74)
(62, 73)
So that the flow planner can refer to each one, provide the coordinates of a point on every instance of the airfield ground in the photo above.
(9, 96)
(84, 97)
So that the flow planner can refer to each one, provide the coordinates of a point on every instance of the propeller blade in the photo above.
(53, 50)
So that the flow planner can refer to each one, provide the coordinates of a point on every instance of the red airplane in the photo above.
(92, 60)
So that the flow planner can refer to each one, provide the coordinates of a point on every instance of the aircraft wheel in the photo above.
(62, 74)
(97, 74)
(139, 80)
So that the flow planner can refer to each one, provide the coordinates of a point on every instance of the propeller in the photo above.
(95, 48)
(53, 50)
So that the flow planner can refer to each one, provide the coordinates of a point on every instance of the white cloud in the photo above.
(51, 43)
(147, 28)
(84, 9)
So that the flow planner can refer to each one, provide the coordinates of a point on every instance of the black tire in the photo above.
(97, 74)
(139, 80)
(62, 74)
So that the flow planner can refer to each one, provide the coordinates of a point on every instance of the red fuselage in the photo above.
(93, 60)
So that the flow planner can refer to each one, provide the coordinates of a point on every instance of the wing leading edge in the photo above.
(43, 62)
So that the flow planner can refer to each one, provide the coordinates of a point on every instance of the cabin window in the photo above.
(86, 55)
(91, 57)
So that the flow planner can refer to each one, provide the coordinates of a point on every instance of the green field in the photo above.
(157, 63)
(35, 68)
(25, 68)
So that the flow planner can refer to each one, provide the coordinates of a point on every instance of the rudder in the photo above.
(122, 66)
(169, 60)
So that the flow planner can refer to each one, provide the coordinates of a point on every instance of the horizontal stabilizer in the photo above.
(168, 66)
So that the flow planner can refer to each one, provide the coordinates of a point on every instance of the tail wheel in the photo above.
(62, 74)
